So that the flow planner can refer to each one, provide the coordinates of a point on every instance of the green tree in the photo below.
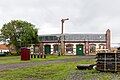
(20, 33)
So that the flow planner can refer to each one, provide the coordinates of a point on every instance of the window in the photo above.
(56, 48)
(92, 48)
(36, 49)
(69, 48)
(102, 46)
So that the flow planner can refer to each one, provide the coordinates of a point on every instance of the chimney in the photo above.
(108, 39)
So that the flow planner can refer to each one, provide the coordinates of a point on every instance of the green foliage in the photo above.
(20, 33)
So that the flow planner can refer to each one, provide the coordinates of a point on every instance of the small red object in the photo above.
(25, 54)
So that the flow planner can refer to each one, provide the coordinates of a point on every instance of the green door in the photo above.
(79, 50)
(47, 49)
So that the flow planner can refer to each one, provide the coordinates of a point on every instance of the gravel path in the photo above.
(26, 64)
(93, 75)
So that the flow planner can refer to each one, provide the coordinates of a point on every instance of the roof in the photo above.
(3, 47)
(85, 37)
(73, 37)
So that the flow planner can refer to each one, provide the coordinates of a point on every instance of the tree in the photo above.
(20, 33)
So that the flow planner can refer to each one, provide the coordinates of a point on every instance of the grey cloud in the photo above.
(90, 16)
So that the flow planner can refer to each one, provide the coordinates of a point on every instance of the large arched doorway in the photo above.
(79, 49)
(47, 49)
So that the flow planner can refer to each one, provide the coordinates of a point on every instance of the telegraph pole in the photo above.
(62, 37)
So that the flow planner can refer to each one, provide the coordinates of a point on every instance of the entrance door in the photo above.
(47, 49)
(79, 50)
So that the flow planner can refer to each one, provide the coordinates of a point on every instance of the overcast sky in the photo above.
(86, 16)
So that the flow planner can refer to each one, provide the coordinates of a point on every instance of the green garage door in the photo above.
(47, 49)
(79, 50)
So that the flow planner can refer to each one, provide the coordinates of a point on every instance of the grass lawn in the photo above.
(17, 59)
(8, 57)
(60, 71)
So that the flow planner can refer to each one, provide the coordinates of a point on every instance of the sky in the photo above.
(85, 16)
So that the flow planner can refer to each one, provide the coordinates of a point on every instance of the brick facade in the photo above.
(89, 42)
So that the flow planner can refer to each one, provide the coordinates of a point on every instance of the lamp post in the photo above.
(62, 37)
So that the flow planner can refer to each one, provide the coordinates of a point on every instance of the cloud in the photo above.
(49, 29)
(86, 16)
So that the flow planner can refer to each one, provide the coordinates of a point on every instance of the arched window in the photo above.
(56, 48)
(36, 49)
(102, 46)
(69, 48)
(92, 48)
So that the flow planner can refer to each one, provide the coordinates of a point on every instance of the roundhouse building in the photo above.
(74, 44)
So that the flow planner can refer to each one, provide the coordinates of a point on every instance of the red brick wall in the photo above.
(108, 39)
(41, 47)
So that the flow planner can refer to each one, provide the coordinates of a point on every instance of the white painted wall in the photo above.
(74, 46)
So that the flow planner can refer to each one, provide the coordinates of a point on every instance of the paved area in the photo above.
(26, 64)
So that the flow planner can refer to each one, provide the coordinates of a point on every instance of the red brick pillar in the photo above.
(41, 47)
(86, 48)
(108, 39)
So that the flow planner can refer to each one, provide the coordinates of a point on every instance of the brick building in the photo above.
(74, 44)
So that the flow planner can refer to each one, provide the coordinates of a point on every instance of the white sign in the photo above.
(80, 49)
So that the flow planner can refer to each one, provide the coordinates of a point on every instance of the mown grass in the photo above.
(44, 72)
(9, 57)
(17, 59)
(59, 71)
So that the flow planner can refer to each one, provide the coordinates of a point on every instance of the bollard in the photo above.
(37, 56)
(58, 53)
(34, 56)
(40, 55)
(44, 55)
(31, 55)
